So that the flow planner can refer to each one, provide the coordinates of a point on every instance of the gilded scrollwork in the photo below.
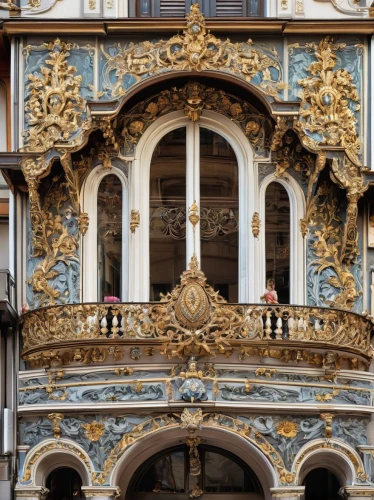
(193, 98)
(196, 49)
(194, 320)
(54, 105)
(327, 98)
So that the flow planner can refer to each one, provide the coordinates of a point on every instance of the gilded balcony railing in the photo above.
(194, 319)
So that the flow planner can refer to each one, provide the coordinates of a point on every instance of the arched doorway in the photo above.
(321, 484)
(166, 473)
(64, 483)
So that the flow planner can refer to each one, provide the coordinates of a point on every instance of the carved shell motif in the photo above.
(193, 307)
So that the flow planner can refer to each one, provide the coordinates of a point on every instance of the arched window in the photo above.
(106, 243)
(109, 239)
(170, 472)
(321, 484)
(206, 173)
(277, 241)
(64, 484)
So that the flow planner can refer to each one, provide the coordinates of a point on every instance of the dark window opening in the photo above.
(321, 484)
(64, 484)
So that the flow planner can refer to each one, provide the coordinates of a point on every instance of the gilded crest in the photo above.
(193, 307)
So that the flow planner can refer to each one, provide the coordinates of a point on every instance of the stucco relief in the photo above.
(104, 439)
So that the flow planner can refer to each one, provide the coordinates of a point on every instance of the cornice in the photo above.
(52, 27)
(136, 25)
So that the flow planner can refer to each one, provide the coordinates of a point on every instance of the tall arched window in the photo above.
(194, 163)
(277, 240)
(109, 239)
(105, 245)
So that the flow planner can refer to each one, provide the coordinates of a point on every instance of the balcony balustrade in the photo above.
(226, 326)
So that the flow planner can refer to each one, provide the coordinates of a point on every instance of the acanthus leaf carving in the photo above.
(327, 98)
(54, 106)
(196, 49)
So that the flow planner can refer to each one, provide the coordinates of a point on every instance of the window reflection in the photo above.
(109, 239)
(219, 213)
(167, 213)
(165, 475)
(169, 472)
(277, 241)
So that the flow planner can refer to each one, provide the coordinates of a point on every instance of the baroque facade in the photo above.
(191, 234)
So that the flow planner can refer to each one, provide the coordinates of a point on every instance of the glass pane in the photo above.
(219, 213)
(223, 475)
(277, 240)
(167, 246)
(165, 475)
(109, 239)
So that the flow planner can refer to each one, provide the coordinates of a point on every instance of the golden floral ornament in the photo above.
(94, 430)
(287, 429)
(196, 49)
(54, 106)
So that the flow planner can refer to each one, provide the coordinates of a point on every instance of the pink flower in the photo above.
(111, 299)
(25, 308)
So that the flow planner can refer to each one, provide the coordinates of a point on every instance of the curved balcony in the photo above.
(194, 319)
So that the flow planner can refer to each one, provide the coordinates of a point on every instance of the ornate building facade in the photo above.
(191, 235)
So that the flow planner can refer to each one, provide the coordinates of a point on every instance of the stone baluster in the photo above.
(268, 330)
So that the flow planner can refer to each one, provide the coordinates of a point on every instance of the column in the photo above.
(287, 493)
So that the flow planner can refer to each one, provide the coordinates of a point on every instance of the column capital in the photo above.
(31, 493)
(358, 492)
(287, 492)
(101, 492)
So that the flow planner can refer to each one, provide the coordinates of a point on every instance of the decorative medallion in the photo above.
(192, 308)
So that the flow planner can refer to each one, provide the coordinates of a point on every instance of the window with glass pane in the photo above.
(165, 475)
(109, 238)
(219, 213)
(167, 212)
(169, 472)
(277, 240)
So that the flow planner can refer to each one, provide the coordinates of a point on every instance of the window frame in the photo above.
(139, 268)
(89, 196)
(297, 242)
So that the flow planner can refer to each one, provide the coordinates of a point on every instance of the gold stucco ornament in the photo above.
(54, 106)
(94, 430)
(196, 49)
(326, 96)
(287, 429)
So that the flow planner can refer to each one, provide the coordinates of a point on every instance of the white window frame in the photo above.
(139, 267)
(89, 196)
(297, 242)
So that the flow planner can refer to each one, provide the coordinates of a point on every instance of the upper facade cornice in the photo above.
(257, 26)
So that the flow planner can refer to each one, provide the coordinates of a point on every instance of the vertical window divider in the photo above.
(192, 189)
